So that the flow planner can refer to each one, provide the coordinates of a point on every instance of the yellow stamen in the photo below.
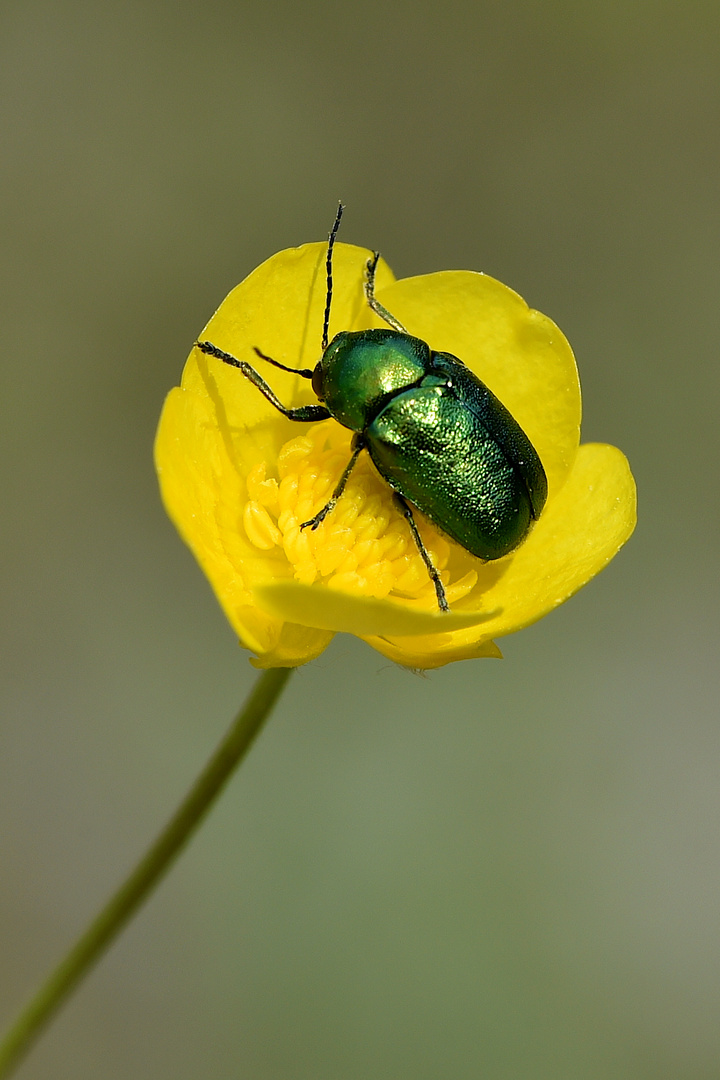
(364, 545)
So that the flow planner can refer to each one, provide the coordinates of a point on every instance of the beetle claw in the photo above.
(320, 517)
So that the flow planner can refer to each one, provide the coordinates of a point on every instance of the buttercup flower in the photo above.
(238, 478)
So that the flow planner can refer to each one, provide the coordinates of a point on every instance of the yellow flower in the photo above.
(238, 478)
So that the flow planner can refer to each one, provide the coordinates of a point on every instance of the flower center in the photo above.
(364, 545)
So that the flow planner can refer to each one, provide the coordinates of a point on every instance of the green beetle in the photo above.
(442, 441)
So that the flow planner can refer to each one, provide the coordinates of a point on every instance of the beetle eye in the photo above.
(317, 381)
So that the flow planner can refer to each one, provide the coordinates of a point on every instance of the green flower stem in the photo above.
(147, 874)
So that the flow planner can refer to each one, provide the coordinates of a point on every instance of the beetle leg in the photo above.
(358, 447)
(305, 414)
(370, 295)
(431, 568)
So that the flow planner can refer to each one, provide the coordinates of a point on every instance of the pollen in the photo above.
(364, 545)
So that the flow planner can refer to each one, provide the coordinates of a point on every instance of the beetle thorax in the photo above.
(361, 370)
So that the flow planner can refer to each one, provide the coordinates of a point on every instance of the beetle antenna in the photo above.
(328, 268)
(305, 372)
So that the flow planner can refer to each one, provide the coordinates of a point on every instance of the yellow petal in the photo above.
(330, 609)
(295, 645)
(575, 538)
(203, 497)
(425, 654)
(577, 535)
(279, 309)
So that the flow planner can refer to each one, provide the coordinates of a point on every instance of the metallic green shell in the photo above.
(360, 370)
(438, 436)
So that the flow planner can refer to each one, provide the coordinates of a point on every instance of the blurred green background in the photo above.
(509, 870)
